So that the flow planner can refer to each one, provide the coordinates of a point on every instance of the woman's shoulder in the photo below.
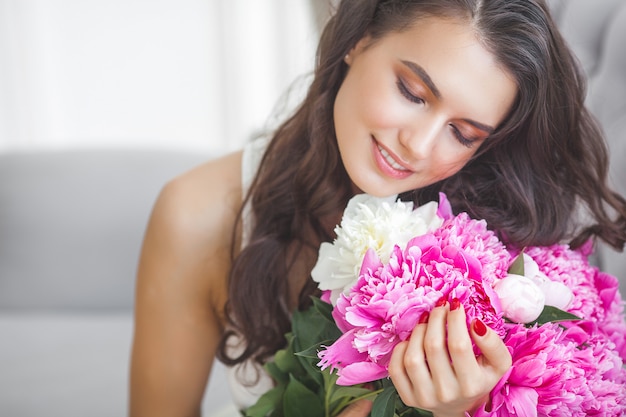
(191, 227)
(213, 191)
(206, 194)
(203, 202)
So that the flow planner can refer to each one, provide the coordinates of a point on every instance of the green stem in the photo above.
(327, 402)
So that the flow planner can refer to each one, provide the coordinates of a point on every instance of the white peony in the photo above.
(369, 222)
(557, 294)
(521, 299)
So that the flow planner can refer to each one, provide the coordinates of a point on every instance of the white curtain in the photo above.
(180, 74)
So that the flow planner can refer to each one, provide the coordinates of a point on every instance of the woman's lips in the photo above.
(387, 163)
(390, 160)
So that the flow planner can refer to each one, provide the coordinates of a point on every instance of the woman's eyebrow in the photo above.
(423, 75)
(480, 126)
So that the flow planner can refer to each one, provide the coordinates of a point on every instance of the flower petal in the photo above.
(361, 372)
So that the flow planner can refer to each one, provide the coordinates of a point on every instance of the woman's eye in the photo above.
(404, 90)
(462, 139)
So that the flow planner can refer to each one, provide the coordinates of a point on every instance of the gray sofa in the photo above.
(596, 31)
(71, 225)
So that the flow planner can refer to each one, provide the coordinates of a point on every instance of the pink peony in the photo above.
(596, 294)
(386, 303)
(559, 373)
(571, 368)
(473, 237)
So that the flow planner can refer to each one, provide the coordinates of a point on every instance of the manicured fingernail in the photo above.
(454, 304)
(479, 327)
(424, 318)
(442, 302)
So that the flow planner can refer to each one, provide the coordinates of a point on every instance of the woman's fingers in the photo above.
(464, 364)
(397, 371)
(436, 350)
(437, 368)
(495, 355)
(408, 368)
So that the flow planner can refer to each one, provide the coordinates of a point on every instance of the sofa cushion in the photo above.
(76, 365)
(71, 225)
(607, 100)
(584, 24)
(595, 30)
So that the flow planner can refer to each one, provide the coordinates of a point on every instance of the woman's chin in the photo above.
(380, 192)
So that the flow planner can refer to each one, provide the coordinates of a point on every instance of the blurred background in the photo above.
(101, 102)
(188, 74)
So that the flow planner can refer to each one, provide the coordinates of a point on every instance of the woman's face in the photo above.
(416, 105)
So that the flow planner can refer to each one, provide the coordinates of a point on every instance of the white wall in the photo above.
(175, 74)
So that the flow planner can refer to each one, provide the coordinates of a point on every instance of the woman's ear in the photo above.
(357, 49)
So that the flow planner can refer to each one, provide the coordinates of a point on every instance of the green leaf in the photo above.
(267, 404)
(299, 401)
(517, 267)
(415, 412)
(312, 351)
(385, 403)
(295, 368)
(349, 392)
(310, 327)
(403, 410)
(312, 370)
(276, 373)
(324, 309)
(552, 315)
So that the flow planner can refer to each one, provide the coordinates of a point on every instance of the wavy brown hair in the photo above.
(542, 170)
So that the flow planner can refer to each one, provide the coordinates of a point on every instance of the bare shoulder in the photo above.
(181, 288)
(190, 230)
(205, 199)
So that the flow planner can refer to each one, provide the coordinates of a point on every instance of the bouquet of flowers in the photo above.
(560, 317)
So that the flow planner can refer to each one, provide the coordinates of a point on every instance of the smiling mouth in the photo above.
(392, 162)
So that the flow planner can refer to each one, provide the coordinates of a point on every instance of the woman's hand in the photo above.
(437, 370)
(360, 408)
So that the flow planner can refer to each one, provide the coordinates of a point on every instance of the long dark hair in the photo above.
(538, 174)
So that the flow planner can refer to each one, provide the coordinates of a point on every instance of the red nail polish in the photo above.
(454, 304)
(479, 327)
(442, 302)
(423, 318)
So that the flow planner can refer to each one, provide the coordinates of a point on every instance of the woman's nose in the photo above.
(420, 138)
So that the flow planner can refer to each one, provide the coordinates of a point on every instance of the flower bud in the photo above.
(522, 300)
(557, 294)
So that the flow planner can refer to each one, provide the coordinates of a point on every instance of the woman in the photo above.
(479, 99)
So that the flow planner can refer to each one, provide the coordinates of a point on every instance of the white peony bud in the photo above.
(557, 294)
(522, 300)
